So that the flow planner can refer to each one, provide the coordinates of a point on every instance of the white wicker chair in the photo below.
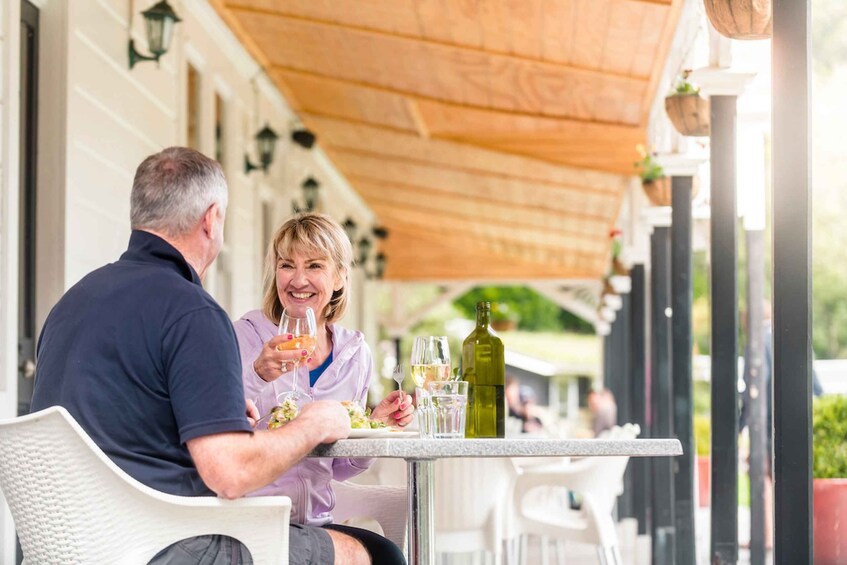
(387, 505)
(72, 504)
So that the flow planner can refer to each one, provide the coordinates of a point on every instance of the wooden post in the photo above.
(792, 282)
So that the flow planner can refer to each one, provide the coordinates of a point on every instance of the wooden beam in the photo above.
(329, 20)
(472, 237)
(476, 80)
(662, 2)
(434, 258)
(330, 97)
(599, 206)
(505, 233)
(378, 141)
(610, 147)
(625, 101)
(565, 225)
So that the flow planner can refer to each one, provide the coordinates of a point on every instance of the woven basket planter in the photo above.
(741, 19)
(689, 114)
(659, 191)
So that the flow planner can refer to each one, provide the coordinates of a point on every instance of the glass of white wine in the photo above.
(304, 329)
(430, 360)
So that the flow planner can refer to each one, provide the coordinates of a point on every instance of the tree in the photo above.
(533, 311)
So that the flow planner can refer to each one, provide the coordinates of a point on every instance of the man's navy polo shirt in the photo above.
(145, 360)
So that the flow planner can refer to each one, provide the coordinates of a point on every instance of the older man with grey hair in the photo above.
(148, 364)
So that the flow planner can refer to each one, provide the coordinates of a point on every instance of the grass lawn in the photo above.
(582, 352)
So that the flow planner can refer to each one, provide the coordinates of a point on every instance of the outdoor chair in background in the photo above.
(387, 505)
(472, 501)
(597, 480)
(72, 504)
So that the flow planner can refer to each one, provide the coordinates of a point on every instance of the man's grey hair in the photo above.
(173, 189)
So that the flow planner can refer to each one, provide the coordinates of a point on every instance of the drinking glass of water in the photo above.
(449, 400)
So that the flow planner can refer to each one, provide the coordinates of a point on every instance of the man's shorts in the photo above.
(307, 545)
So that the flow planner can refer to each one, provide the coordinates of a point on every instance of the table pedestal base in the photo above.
(421, 532)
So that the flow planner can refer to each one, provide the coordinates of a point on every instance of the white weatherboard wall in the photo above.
(9, 39)
(98, 120)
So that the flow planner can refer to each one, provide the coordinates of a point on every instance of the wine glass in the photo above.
(430, 360)
(305, 330)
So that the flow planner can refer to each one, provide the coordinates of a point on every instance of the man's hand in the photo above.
(272, 363)
(328, 417)
(235, 463)
(395, 409)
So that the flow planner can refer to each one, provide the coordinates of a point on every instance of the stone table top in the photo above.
(424, 449)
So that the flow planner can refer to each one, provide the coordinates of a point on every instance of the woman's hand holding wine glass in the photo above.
(277, 358)
(304, 330)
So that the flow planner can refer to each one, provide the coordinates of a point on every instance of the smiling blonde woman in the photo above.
(308, 265)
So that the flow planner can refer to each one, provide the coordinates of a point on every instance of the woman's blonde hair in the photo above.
(309, 233)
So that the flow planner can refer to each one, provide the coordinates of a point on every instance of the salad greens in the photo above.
(288, 410)
(361, 419)
(282, 414)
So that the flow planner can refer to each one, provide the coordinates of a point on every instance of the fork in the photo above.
(398, 375)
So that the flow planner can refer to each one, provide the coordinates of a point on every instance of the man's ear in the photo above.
(210, 221)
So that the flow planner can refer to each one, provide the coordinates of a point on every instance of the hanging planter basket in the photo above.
(689, 114)
(659, 191)
(741, 19)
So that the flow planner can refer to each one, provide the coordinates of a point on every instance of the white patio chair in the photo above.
(471, 506)
(599, 481)
(387, 505)
(72, 504)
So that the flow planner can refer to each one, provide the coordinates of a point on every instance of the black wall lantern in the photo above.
(380, 232)
(303, 137)
(160, 20)
(364, 249)
(266, 143)
(350, 229)
(310, 193)
(310, 196)
(380, 266)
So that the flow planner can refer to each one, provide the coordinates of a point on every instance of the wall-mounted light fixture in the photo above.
(310, 193)
(350, 229)
(310, 196)
(379, 266)
(380, 232)
(303, 137)
(160, 20)
(266, 144)
(364, 249)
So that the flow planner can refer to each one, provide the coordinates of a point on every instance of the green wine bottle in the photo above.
(484, 367)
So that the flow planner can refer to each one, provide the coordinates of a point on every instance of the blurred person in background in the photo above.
(604, 410)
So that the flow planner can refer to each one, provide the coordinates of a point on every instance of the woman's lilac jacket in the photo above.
(346, 378)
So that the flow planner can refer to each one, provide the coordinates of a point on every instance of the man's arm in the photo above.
(233, 464)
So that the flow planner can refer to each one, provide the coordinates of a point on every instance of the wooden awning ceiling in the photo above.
(493, 138)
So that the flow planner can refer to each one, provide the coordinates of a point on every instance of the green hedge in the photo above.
(830, 437)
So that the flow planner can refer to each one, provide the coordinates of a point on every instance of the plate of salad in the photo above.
(360, 419)
(364, 426)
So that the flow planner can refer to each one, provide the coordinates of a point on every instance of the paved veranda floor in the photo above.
(578, 554)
